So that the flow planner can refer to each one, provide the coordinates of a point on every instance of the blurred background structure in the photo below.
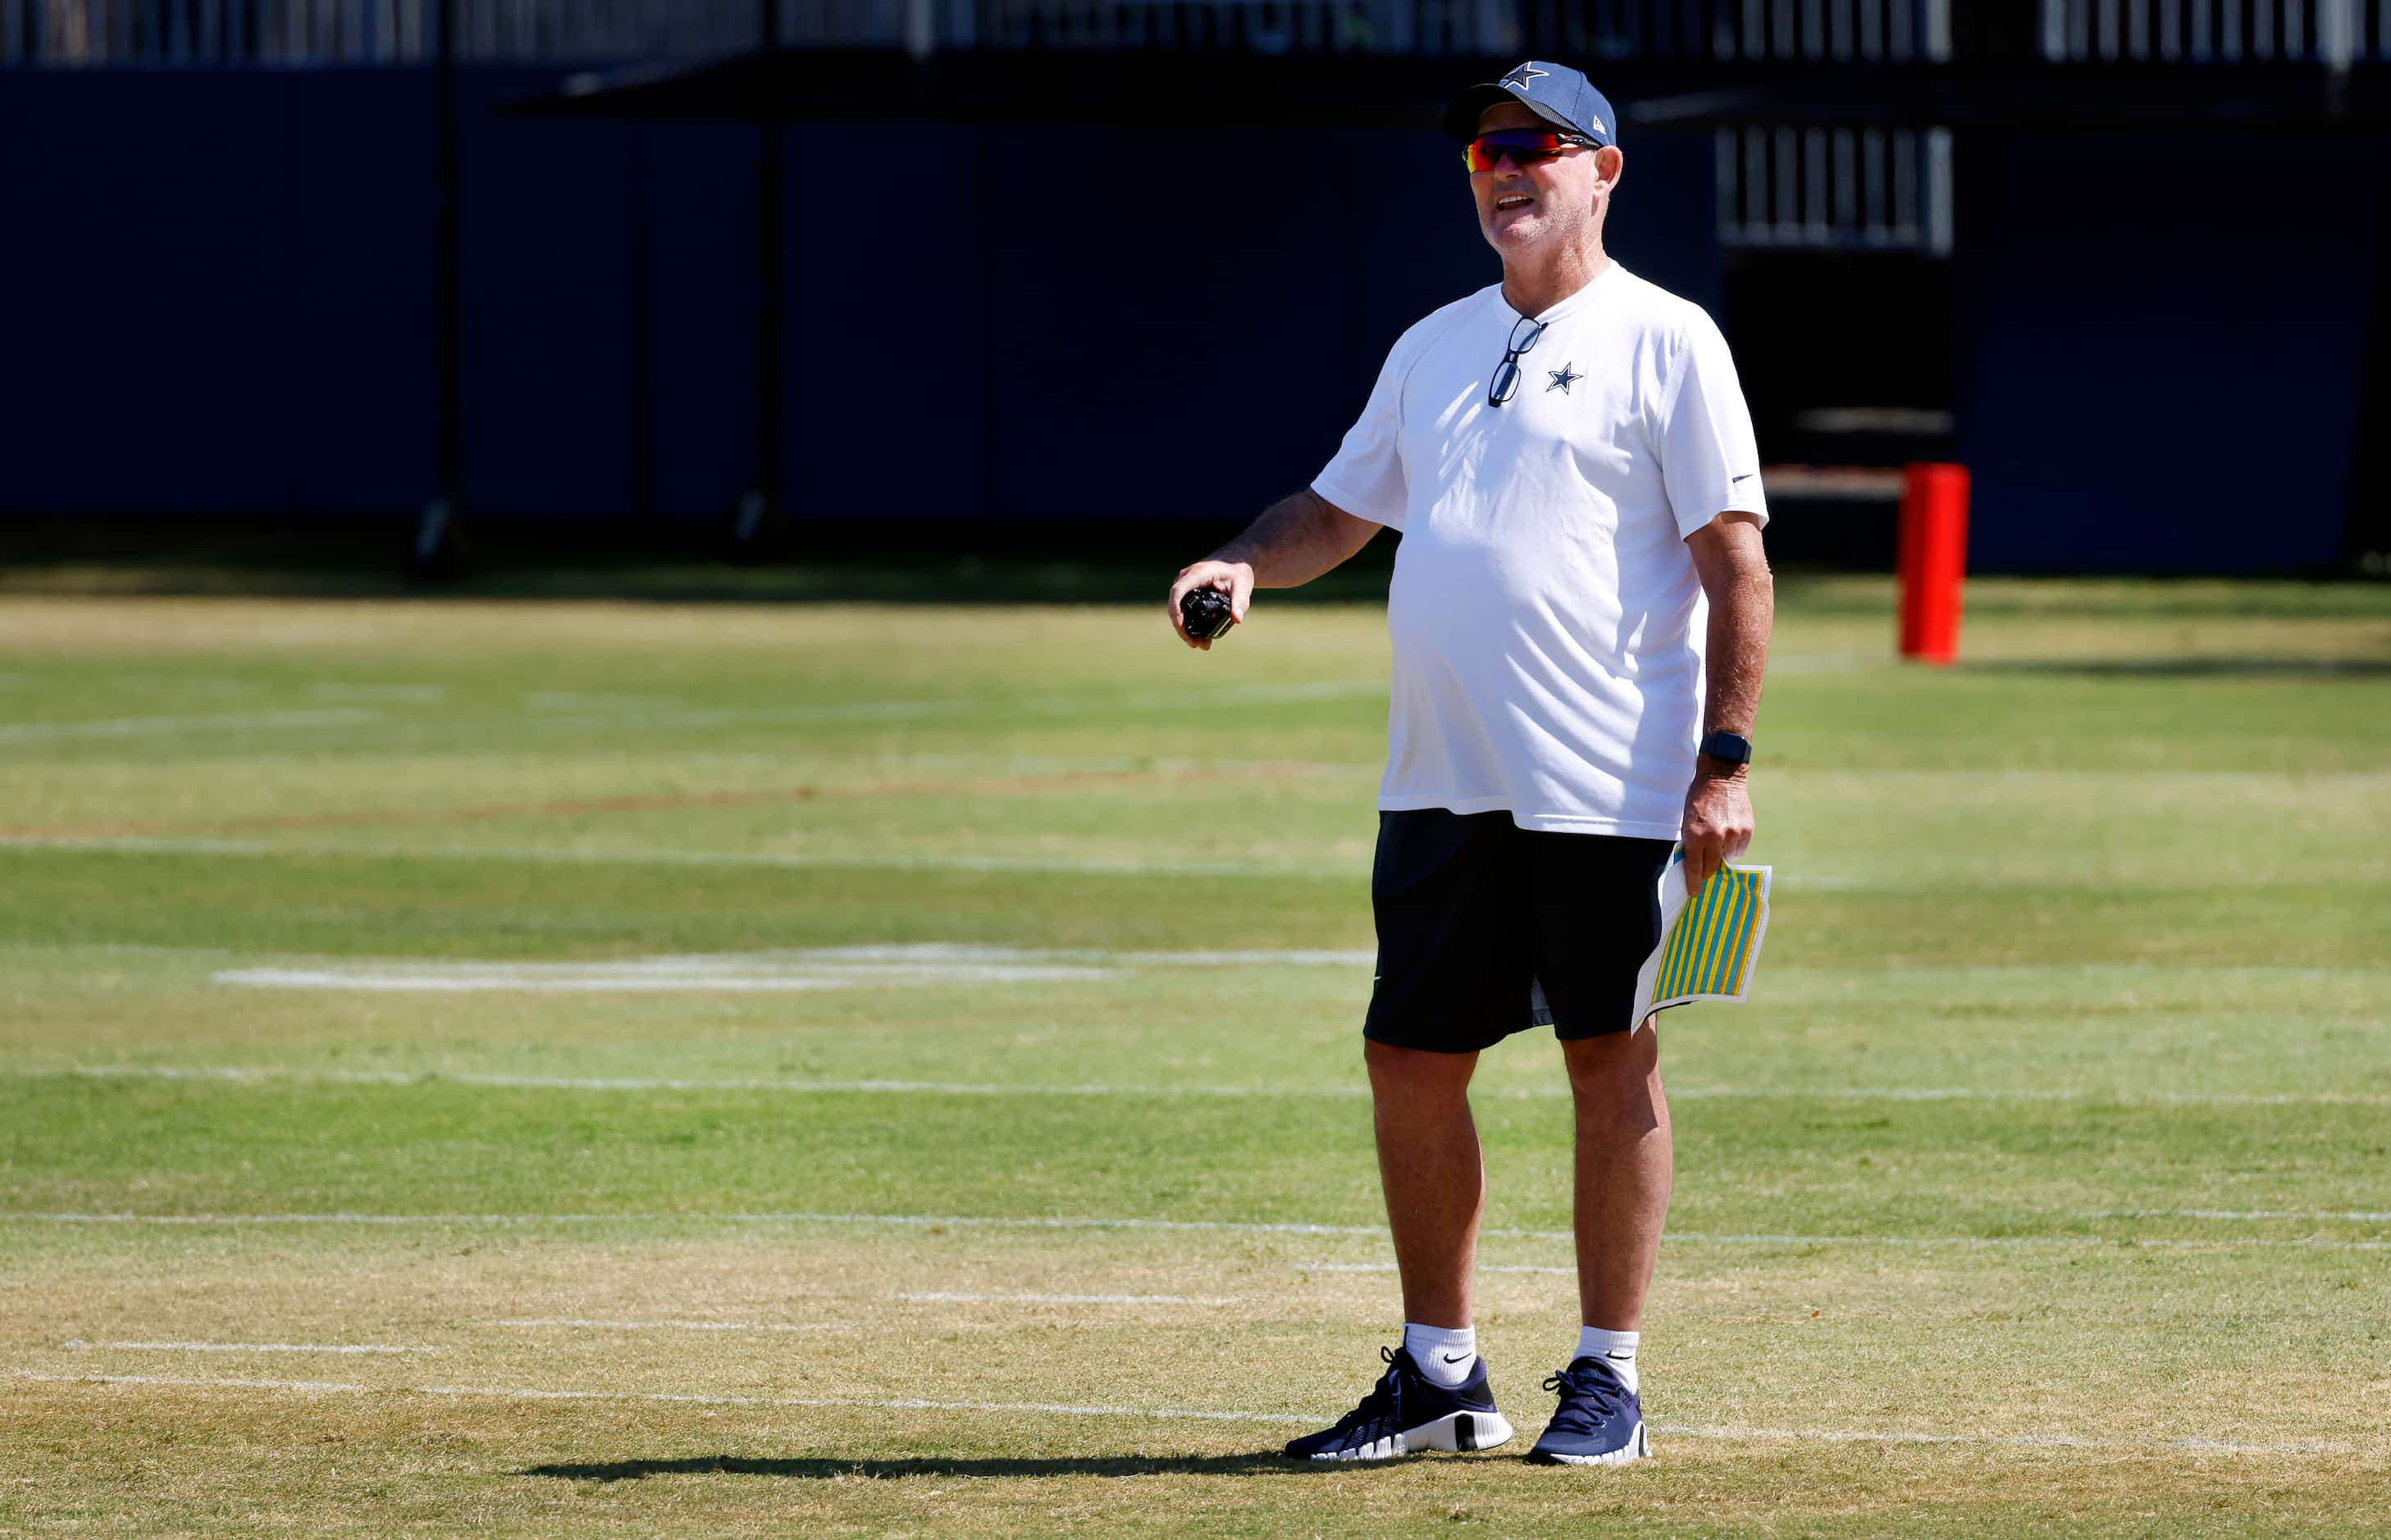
(676, 264)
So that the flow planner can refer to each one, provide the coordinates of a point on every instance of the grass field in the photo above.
(569, 1068)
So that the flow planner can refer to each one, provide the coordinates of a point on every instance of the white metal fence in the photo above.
(84, 32)
(2217, 32)
(1839, 188)
(1820, 30)
(71, 32)
(1778, 186)
(201, 33)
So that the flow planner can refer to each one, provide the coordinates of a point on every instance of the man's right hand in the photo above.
(1234, 578)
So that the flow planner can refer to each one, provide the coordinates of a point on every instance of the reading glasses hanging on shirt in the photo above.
(1505, 384)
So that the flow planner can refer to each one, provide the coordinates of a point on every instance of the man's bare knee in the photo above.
(1619, 1069)
(1419, 1076)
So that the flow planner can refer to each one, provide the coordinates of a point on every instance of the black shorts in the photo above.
(1486, 928)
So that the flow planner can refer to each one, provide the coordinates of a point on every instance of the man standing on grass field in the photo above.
(1571, 464)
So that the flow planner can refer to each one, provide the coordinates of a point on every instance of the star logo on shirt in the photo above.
(1562, 378)
(1522, 75)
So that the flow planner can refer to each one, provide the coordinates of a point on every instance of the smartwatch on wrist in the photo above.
(1728, 749)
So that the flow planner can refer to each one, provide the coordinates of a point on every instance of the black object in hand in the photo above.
(1206, 611)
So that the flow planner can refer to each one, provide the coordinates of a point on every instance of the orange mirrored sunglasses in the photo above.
(1527, 145)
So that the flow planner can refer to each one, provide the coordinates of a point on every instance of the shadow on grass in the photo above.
(990, 562)
(2197, 668)
(828, 1470)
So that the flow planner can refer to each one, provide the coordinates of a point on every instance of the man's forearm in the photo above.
(1743, 610)
(1718, 825)
(1295, 540)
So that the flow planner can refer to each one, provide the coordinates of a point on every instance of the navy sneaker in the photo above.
(1600, 1420)
(1405, 1414)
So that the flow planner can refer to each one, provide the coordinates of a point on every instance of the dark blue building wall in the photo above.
(1189, 328)
(2160, 346)
(220, 302)
(224, 303)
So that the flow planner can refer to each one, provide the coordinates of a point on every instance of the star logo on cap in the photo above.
(1522, 75)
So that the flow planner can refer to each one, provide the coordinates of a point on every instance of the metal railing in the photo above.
(297, 33)
(2216, 32)
(74, 32)
(1835, 188)
(1852, 188)
(1817, 31)
(200, 33)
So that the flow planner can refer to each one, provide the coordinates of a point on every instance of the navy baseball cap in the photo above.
(1553, 92)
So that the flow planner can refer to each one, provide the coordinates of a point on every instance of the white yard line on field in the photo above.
(1131, 700)
(1998, 1093)
(819, 968)
(924, 952)
(543, 714)
(561, 857)
(1222, 1226)
(138, 727)
(577, 701)
(1962, 1242)
(652, 1217)
(412, 694)
(996, 763)
(247, 1076)
(247, 1347)
(578, 1324)
(1356, 870)
(606, 979)
(2200, 977)
(2008, 1441)
(264, 1073)
(689, 1398)
(1050, 1408)
(1389, 1267)
(2374, 1216)
(2304, 1243)
(943, 1297)
(390, 983)
(110, 844)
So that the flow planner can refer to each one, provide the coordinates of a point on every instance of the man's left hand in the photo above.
(1717, 827)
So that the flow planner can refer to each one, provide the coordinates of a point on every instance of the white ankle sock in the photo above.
(1444, 1353)
(1615, 1348)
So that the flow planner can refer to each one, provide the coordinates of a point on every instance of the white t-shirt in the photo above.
(1548, 619)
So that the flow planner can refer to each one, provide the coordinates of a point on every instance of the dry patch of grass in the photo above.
(168, 1460)
(2119, 1353)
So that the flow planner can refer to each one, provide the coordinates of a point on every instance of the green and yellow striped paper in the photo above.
(1710, 949)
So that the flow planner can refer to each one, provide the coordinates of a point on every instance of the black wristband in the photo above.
(1727, 747)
